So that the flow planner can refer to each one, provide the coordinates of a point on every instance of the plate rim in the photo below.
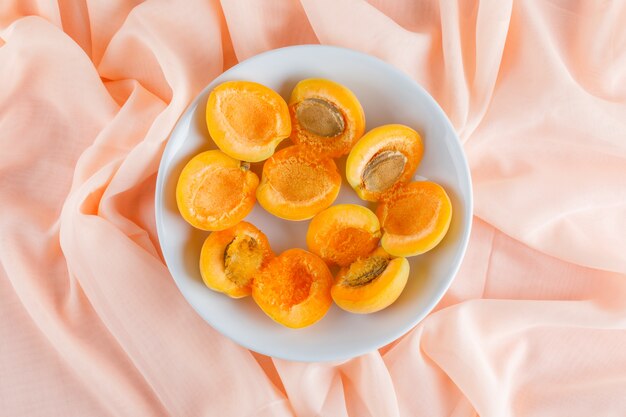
(465, 235)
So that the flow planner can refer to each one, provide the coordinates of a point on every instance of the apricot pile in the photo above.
(366, 251)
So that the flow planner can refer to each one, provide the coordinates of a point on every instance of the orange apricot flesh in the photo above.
(230, 259)
(247, 120)
(415, 218)
(294, 288)
(383, 159)
(342, 233)
(325, 116)
(371, 283)
(296, 184)
(215, 191)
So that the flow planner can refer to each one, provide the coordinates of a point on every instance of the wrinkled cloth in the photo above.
(91, 322)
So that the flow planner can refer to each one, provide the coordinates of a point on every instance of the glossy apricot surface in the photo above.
(342, 233)
(297, 184)
(231, 258)
(247, 120)
(370, 283)
(325, 116)
(294, 288)
(215, 191)
(383, 159)
(415, 218)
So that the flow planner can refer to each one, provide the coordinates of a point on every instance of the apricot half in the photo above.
(371, 283)
(294, 288)
(415, 218)
(247, 120)
(297, 184)
(385, 158)
(231, 258)
(342, 233)
(326, 116)
(215, 191)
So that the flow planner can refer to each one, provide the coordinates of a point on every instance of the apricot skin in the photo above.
(247, 120)
(377, 294)
(214, 191)
(213, 268)
(415, 218)
(342, 233)
(294, 289)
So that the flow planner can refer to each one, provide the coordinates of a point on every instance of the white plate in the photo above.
(387, 96)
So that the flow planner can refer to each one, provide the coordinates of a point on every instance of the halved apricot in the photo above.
(383, 159)
(297, 184)
(215, 191)
(231, 258)
(326, 116)
(371, 283)
(342, 233)
(247, 120)
(294, 288)
(415, 218)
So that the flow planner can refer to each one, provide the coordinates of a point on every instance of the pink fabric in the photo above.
(91, 323)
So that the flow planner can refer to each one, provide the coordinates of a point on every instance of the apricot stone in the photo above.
(383, 159)
(371, 283)
(231, 258)
(325, 116)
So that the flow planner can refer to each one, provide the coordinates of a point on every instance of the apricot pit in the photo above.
(230, 259)
(370, 283)
(383, 159)
(325, 116)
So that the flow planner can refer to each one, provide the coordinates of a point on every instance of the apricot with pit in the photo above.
(297, 184)
(383, 159)
(325, 116)
(342, 233)
(415, 218)
(247, 120)
(294, 288)
(370, 283)
(215, 191)
(230, 259)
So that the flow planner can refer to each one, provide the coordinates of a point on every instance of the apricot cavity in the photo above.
(294, 288)
(325, 116)
(231, 258)
(247, 120)
(371, 283)
(297, 184)
(215, 191)
(383, 159)
(342, 233)
(415, 218)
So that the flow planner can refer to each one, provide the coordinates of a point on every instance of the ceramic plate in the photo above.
(387, 96)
